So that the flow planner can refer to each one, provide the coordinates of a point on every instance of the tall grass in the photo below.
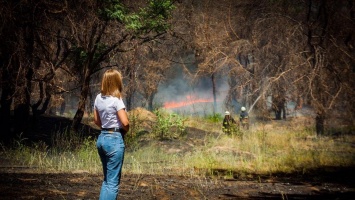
(61, 155)
(259, 150)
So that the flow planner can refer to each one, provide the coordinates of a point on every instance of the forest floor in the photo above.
(21, 182)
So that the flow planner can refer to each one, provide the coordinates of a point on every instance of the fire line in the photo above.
(189, 101)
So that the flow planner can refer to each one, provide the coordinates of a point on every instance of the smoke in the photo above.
(191, 96)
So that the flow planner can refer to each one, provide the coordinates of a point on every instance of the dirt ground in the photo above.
(19, 182)
(15, 184)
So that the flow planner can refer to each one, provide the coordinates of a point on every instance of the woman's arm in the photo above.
(97, 119)
(122, 115)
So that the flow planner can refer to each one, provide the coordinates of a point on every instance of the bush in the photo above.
(214, 117)
(168, 125)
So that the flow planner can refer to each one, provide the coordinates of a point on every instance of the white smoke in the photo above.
(181, 90)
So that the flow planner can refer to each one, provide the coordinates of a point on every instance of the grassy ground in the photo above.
(174, 157)
(198, 147)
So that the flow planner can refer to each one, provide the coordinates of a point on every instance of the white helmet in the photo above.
(243, 108)
(226, 113)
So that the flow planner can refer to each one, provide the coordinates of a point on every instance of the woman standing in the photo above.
(110, 114)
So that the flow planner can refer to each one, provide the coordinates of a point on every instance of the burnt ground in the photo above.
(20, 182)
(15, 184)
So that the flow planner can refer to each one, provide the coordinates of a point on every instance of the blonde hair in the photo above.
(112, 83)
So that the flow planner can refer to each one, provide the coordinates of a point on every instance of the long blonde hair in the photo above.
(112, 83)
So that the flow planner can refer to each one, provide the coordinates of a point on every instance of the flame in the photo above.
(190, 99)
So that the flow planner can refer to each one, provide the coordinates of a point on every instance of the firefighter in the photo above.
(228, 123)
(244, 118)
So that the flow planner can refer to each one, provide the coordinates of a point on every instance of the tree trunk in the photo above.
(214, 91)
(37, 112)
(82, 101)
(22, 110)
(5, 113)
(129, 100)
(132, 88)
(320, 124)
(150, 101)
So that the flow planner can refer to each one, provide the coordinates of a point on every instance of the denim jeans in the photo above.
(111, 149)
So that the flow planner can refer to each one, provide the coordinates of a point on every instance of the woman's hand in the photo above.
(122, 115)
(97, 119)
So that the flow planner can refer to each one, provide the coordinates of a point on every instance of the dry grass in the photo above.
(272, 147)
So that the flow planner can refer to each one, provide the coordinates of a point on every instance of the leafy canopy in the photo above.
(153, 17)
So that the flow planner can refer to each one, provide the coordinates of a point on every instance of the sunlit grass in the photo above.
(260, 150)
(60, 158)
(256, 152)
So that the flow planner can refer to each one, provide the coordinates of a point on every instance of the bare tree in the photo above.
(325, 45)
(306, 56)
(301, 58)
(28, 52)
(310, 55)
(98, 31)
(211, 36)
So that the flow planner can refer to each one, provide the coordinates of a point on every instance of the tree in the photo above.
(210, 38)
(302, 57)
(311, 54)
(44, 43)
(97, 31)
(25, 54)
(325, 45)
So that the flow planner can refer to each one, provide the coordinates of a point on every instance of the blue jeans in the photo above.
(111, 149)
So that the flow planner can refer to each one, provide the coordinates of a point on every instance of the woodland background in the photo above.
(52, 54)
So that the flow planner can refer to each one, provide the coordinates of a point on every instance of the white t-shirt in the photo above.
(108, 107)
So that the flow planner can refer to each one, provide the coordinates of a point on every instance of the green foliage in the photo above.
(168, 125)
(112, 10)
(151, 18)
(133, 22)
(157, 13)
(215, 117)
(80, 55)
(232, 130)
(135, 131)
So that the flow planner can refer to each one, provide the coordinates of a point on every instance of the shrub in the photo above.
(217, 117)
(168, 125)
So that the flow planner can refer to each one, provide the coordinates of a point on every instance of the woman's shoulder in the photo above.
(108, 97)
(105, 97)
(98, 95)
